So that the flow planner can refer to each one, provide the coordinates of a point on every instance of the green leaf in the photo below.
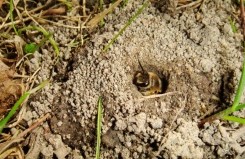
(234, 119)
(30, 48)
(99, 124)
(239, 89)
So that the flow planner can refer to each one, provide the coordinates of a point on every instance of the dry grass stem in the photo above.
(1, 3)
(55, 11)
(158, 95)
(242, 18)
(190, 5)
(20, 116)
(60, 25)
(94, 21)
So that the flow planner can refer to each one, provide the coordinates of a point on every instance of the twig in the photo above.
(33, 126)
(4, 146)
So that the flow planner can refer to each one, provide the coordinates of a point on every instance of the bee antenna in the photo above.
(141, 67)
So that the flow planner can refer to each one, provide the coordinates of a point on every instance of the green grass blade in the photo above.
(240, 89)
(241, 106)
(11, 6)
(5, 120)
(101, 3)
(233, 25)
(99, 124)
(126, 25)
(40, 86)
(229, 110)
(234, 119)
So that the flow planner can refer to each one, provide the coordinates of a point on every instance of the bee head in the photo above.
(141, 79)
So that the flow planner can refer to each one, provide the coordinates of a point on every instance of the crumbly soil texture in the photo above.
(195, 49)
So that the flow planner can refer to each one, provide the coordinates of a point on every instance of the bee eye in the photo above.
(141, 82)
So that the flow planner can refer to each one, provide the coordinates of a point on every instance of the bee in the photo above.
(148, 83)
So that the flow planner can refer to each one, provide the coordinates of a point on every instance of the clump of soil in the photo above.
(196, 48)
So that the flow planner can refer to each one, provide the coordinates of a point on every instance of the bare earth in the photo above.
(198, 52)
